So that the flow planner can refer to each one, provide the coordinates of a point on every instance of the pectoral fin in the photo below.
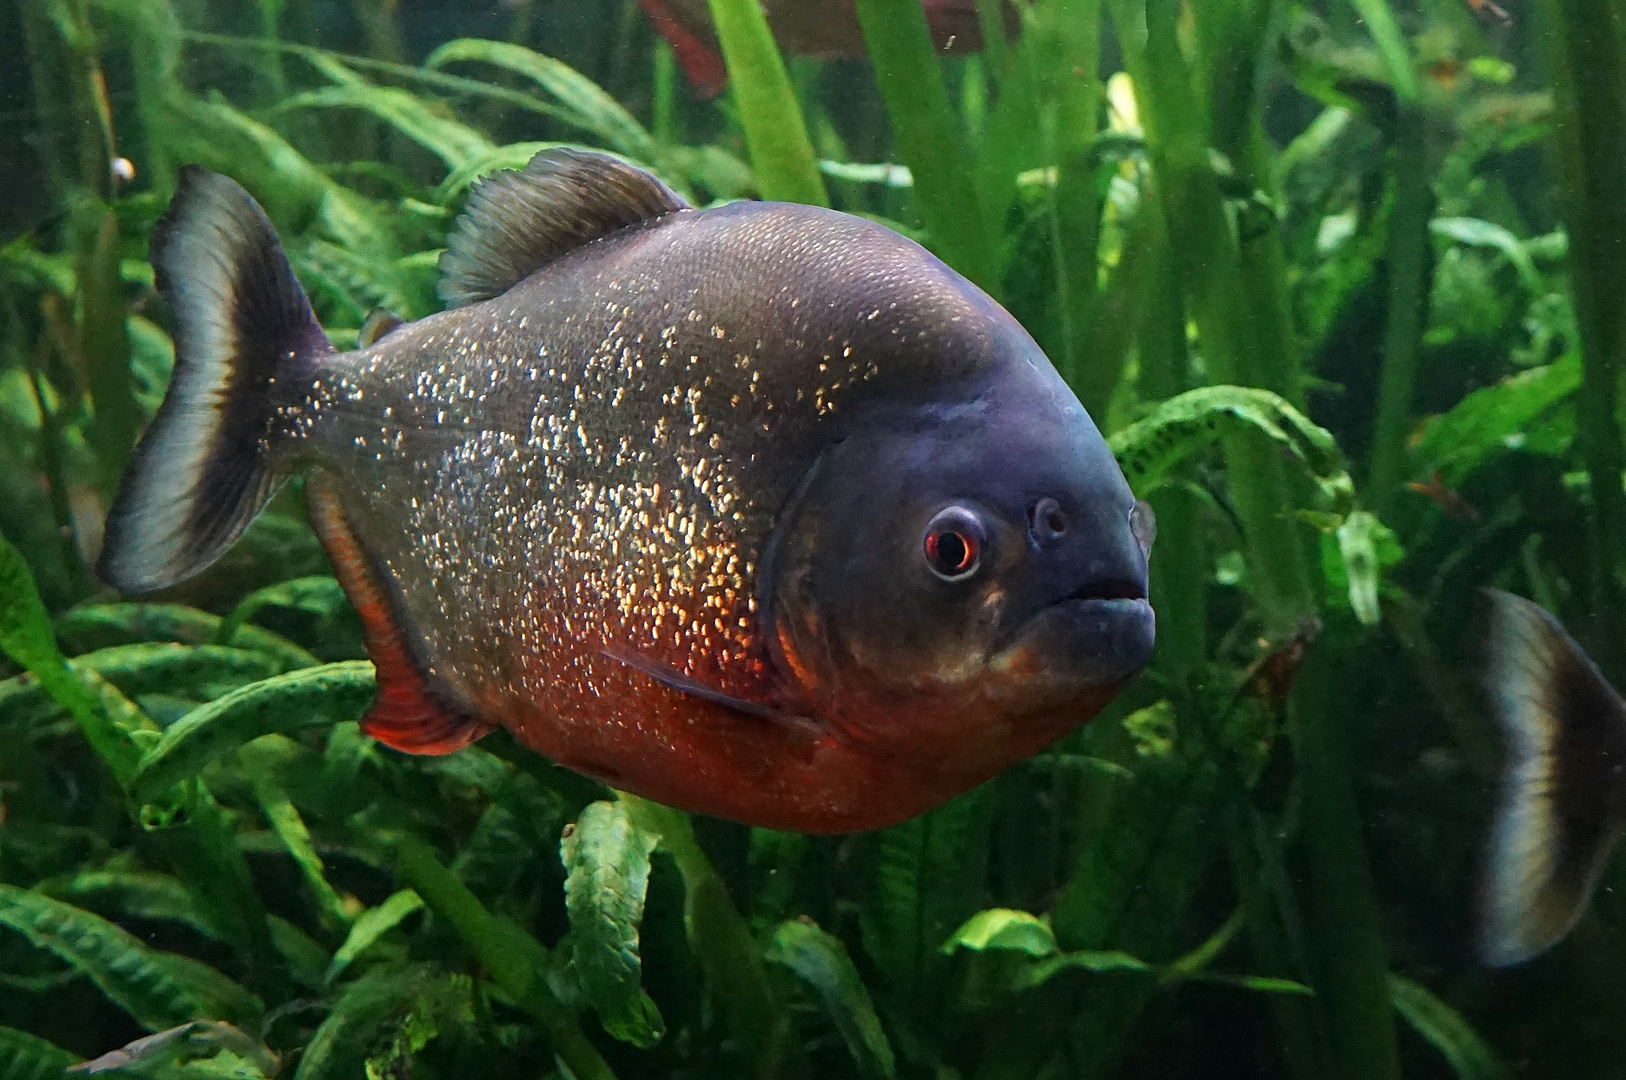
(683, 684)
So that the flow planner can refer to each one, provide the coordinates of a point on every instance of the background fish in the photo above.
(1563, 801)
(760, 511)
(824, 29)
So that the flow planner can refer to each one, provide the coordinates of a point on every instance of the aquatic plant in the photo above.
(1306, 263)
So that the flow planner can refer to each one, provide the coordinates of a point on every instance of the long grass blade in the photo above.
(781, 152)
(925, 134)
(1588, 51)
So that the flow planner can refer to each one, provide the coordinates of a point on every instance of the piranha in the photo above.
(759, 511)
(1563, 797)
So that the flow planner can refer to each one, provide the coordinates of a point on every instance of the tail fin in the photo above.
(1563, 786)
(246, 346)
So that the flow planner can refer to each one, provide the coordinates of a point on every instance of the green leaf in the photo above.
(290, 828)
(514, 959)
(1446, 1030)
(198, 671)
(122, 672)
(821, 960)
(589, 105)
(1003, 928)
(1097, 960)
(306, 959)
(1138, 865)
(442, 1005)
(160, 990)
(330, 694)
(926, 134)
(197, 1038)
(25, 1057)
(137, 894)
(606, 857)
(897, 176)
(1493, 419)
(454, 142)
(1012, 951)
(719, 937)
(99, 626)
(925, 882)
(205, 851)
(1476, 232)
(371, 925)
(287, 182)
(1194, 963)
(26, 637)
(519, 826)
(1264, 984)
(1150, 449)
(351, 1030)
(1391, 42)
(319, 595)
(1360, 539)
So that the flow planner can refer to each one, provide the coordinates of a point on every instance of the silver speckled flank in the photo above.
(595, 457)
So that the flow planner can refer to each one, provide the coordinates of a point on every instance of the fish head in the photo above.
(963, 579)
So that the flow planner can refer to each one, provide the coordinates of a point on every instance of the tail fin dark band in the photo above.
(1560, 810)
(246, 344)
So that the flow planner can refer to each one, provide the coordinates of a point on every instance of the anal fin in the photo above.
(409, 714)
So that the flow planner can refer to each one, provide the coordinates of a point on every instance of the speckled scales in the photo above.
(595, 458)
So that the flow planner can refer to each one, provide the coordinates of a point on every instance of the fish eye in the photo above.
(1143, 525)
(954, 543)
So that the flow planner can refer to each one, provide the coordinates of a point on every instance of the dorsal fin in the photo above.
(516, 222)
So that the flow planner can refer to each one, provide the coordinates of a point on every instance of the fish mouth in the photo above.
(1100, 633)
(1107, 590)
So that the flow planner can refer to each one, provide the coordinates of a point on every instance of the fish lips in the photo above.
(1096, 636)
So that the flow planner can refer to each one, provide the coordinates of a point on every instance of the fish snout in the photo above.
(1097, 624)
(1105, 557)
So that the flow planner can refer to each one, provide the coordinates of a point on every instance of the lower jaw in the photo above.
(1081, 644)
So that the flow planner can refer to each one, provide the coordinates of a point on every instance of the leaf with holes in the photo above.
(1150, 449)
(606, 856)
(326, 695)
(100, 626)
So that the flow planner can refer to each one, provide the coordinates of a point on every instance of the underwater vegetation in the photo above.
(1341, 284)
